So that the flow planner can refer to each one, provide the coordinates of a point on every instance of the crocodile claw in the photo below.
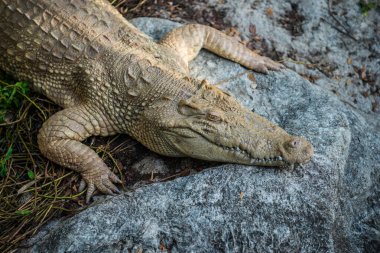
(263, 64)
(102, 179)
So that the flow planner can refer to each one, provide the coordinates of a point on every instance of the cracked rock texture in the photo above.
(331, 204)
(336, 46)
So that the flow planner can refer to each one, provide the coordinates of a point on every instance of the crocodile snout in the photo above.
(297, 150)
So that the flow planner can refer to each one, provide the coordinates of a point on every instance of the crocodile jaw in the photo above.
(191, 143)
(209, 151)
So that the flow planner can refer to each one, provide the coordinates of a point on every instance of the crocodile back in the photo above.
(40, 37)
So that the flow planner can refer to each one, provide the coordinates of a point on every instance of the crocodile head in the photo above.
(212, 125)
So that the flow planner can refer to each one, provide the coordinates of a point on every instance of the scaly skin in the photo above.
(111, 78)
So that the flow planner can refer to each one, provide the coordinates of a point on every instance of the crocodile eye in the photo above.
(214, 116)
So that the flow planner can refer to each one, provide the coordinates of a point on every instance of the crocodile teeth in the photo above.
(242, 152)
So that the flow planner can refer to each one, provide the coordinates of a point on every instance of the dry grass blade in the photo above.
(125, 6)
(34, 190)
(29, 197)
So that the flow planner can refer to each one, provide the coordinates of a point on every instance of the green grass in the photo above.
(3, 162)
(366, 6)
(34, 190)
(24, 177)
(11, 96)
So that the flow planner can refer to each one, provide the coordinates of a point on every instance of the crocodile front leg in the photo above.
(60, 139)
(188, 40)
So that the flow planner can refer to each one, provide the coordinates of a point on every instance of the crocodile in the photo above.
(111, 78)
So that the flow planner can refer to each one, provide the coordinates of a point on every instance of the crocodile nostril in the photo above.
(295, 142)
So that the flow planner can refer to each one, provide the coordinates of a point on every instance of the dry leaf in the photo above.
(269, 12)
(363, 73)
(252, 30)
(251, 77)
(162, 246)
(232, 31)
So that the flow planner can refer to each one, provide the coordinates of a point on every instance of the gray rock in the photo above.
(150, 165)
(306, 32)
(331, 204)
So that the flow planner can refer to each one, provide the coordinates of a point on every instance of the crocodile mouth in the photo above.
(224, 154)
(251, 160)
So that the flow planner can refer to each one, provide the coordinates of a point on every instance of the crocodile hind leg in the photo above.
(188, 40)
(60, 139)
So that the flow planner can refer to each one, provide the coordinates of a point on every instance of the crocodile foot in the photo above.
(102, 179)
(60, 140)
(263, 64)
(187, 40)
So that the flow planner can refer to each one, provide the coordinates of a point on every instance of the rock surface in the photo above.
(332, 204)
(331, 42)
